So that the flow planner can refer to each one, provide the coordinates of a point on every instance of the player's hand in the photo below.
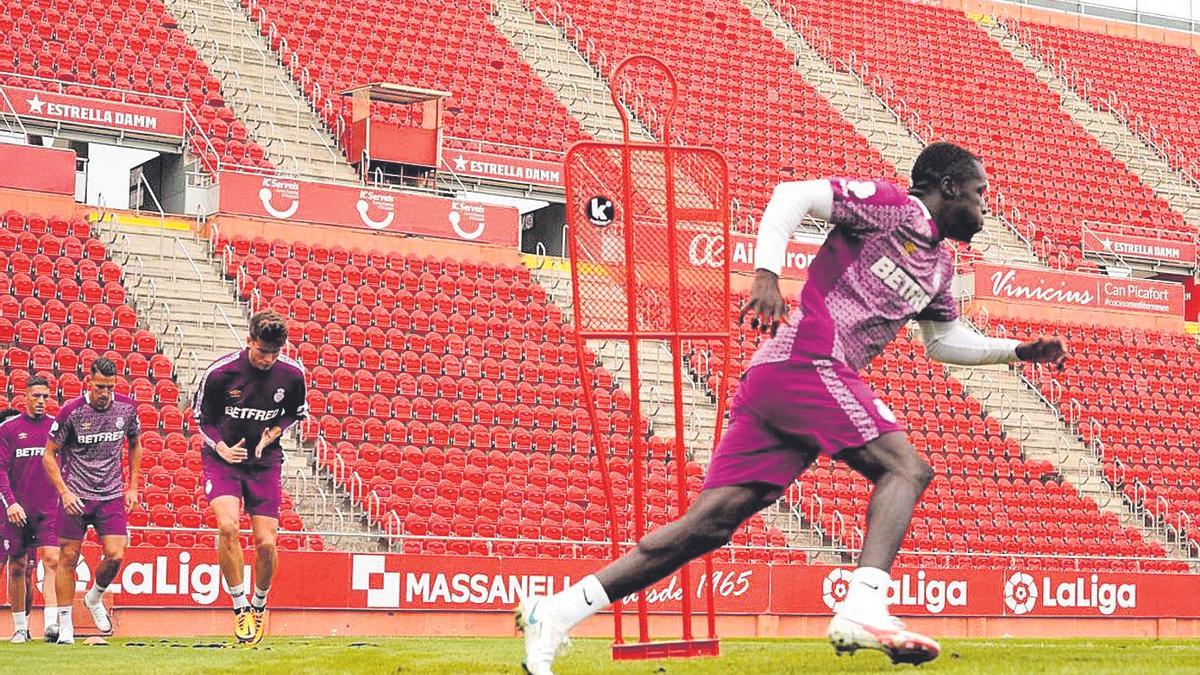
(766, 307)
(131, 498)
(1048, 350)
(268, 437)
(234, 454)
(72, 504)
(16, 515)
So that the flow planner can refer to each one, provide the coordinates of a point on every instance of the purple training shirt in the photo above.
(23, 478)
(90, 443)
(881, 266)
(237, 401)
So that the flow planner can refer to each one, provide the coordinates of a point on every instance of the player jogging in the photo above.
(31, 505)
(882, 265)
(245, 402)
(88, 434)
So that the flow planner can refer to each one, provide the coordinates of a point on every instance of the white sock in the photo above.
(259, 601)
(65, 628)
(20, 621)
(49, 617)
(238, 593)
(868, 591)
(94, 594)
(583, 599)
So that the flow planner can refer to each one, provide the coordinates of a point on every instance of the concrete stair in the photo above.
(872, 118)
(583, 90)
(259, 90)
(327, 508)
(1182, 193)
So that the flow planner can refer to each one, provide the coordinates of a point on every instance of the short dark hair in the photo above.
(269, 328)
(104, 366)
(36, 381)
(943, 159)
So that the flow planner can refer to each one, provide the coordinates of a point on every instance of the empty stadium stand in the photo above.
(62, 305)
(107, 48)
(1129, 393)
(729, 67)
(1049, 175)
(1151, 84)
(446, 399)
(497, 98)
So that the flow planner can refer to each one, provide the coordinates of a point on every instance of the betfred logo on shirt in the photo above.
(894, 277)
(256, 414)
(35, 451)
(100, 437)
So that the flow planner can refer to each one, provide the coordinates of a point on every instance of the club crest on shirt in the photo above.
(120, 422)
(279, 395)
(909, 247)
(235, 393)
(863, 189)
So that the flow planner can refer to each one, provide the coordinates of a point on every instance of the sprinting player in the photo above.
(882, 265)
(31, 505)
(88, 434)
(245, 402)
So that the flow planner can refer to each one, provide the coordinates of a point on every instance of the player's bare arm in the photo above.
(135, 472)
(72, 504)
(790, 204)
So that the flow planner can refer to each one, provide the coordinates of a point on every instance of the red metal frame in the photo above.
(633, 333)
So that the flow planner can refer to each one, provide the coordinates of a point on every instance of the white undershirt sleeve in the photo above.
(952, 342)
(789, 204)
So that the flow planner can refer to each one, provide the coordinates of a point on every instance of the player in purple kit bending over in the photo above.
(31, 505)
(247, 399)
(882, 265)
(88, 434)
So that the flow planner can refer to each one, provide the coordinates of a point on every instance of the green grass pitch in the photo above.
(128, 656)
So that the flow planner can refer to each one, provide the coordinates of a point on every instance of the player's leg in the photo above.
(749, 470)
(18, 566)
(900, 476)
(110, 566)
(68, 558)
(264, 497)
(228, 512)
(48, 555)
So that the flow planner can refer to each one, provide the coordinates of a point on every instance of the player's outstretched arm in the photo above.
(72, 504)
(954, 343)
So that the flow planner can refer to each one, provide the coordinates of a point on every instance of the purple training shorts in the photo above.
(261, 486)
(39, 531)
(106, 515)
(784, 411)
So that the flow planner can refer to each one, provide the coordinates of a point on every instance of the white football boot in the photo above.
(543, 638)
(99, 615)
(852, 631)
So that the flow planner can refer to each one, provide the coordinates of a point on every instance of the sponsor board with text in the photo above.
(377, 210)
(96, 112)
(706, 249)
(503, 167)
(1077, 290)
(1123, 245)
(190, 578)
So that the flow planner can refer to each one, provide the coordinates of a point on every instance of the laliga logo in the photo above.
(1020, 593)
(385, 593)
(835, 587)
(385, 202)
(455, 217)
(265, 195)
